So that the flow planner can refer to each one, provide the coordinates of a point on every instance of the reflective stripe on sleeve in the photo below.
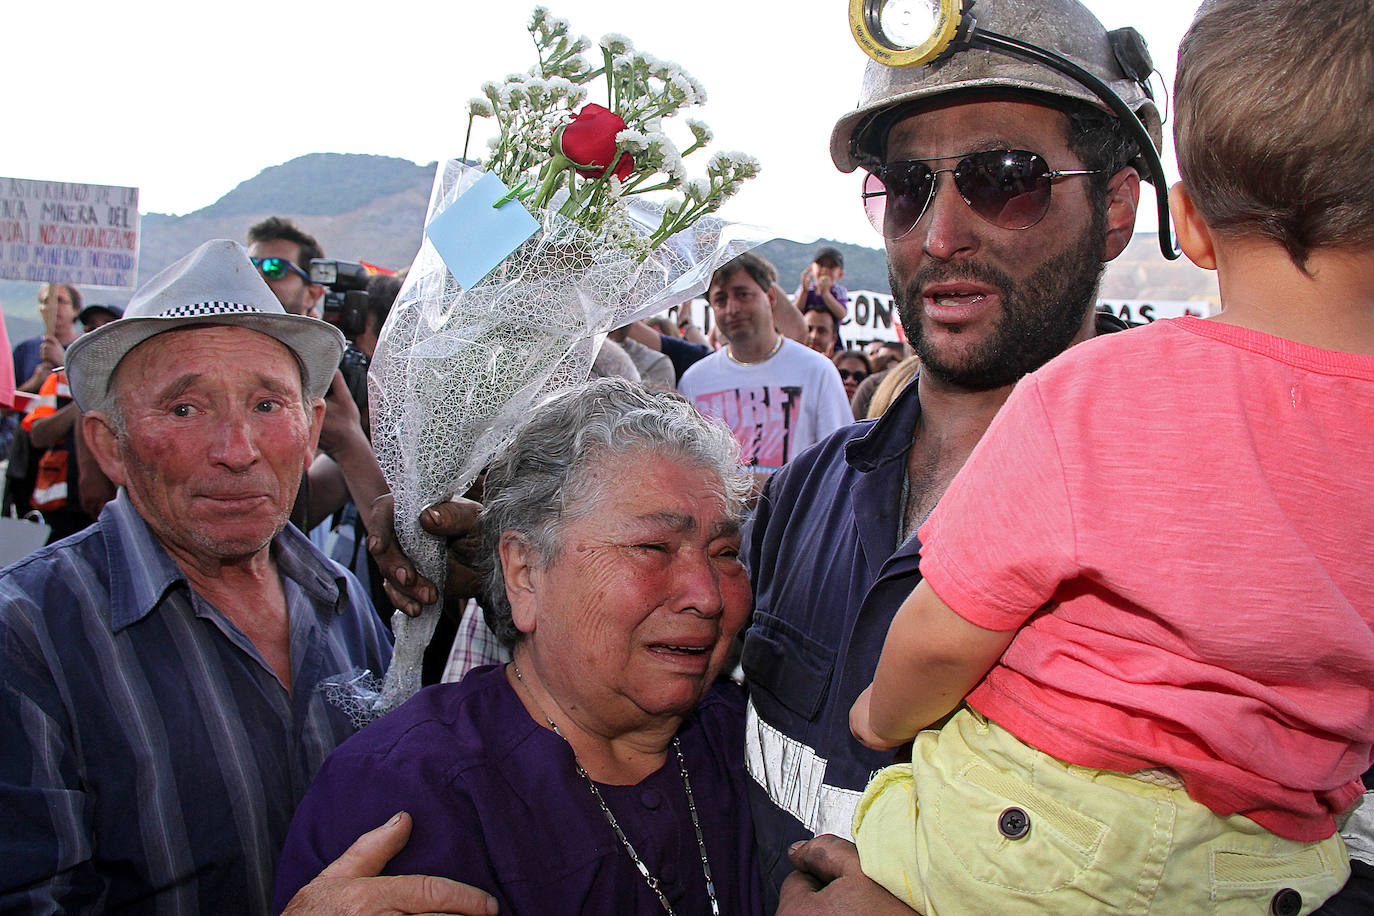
(793, 775)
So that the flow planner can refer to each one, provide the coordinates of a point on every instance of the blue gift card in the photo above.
(473, 237)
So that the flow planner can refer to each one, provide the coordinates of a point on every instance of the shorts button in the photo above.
(1013, 823)
(1286, 902)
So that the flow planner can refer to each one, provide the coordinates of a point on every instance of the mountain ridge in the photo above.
(371, 208)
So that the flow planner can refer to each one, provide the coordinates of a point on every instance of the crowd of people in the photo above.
(755, 621)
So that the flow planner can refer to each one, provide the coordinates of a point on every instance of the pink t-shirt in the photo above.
(1180, 519)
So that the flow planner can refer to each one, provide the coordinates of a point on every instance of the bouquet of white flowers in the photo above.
(467, 351)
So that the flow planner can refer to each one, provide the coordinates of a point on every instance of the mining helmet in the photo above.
(1064, 27)
(1052, 49)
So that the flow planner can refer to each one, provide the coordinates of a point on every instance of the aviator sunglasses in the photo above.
(276, 268)
(1009, 188)
(857, 375)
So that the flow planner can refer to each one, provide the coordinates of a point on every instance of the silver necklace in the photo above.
(754, 362)
(615, 825)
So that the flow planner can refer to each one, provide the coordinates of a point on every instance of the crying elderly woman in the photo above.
(601, 771)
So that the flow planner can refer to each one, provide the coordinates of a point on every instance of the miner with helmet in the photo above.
(1001, 189)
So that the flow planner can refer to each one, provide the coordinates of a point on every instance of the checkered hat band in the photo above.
(207, 308)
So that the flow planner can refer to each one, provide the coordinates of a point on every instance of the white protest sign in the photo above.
(873, 314)
(63, 232)
(1144, 311)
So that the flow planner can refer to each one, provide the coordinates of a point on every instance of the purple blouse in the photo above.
(498, 804)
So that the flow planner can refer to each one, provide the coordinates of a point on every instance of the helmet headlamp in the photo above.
(915, 33)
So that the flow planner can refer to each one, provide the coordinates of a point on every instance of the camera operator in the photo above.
(282, 252)
(346, 467)
(357, 303)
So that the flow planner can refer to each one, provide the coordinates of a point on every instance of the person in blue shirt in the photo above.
(160, 671)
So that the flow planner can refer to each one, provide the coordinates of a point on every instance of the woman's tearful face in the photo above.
(635, 614)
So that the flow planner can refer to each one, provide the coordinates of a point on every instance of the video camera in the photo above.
(345, 306)
(345, 298)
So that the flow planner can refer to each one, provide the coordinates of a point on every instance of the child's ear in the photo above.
(1194, 235)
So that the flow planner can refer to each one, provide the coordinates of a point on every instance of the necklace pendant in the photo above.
(649, 879)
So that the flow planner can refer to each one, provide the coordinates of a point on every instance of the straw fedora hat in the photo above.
(214, 285)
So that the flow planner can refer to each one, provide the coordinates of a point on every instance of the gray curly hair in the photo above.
(542, 479)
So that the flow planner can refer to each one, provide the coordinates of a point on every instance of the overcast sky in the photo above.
(184, 101)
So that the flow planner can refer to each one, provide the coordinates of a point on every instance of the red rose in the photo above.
(589, 142)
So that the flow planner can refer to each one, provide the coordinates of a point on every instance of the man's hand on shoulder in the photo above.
(350, 886)
(828, 880)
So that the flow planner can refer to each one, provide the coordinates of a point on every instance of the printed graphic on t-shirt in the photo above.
(763, 419)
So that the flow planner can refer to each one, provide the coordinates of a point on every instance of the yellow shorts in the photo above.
(1006, 829)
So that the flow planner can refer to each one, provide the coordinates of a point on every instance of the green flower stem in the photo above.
(553, 176)
(638, 179)
(610, 81)
(687, 218)
(578, 199)
(662, 186)
(518, 192)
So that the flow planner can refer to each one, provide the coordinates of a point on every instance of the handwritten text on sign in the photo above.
(62, 232)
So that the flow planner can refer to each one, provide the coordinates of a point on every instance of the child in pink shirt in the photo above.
(1152, 584)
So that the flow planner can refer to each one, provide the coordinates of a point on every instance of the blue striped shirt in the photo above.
(150, 759)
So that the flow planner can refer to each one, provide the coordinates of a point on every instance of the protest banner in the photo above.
(1144, 311)
(64, 232)
(873, 314)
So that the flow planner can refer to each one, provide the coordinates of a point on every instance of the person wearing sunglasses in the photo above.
(282, 253)
(854, 367)
(1000, 189)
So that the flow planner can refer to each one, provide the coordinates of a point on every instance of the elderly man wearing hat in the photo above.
(162, 670)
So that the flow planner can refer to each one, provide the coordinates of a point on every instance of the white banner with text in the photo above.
(64, 232)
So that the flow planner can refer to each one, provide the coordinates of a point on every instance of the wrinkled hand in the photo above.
(860, 724)
(52, 352)
(342, 422)
(350, 884)
(828, 880)
(457, 521)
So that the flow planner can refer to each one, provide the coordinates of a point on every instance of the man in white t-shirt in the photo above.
(777, 396)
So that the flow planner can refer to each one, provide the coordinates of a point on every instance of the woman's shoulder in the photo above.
(724, 698)
(720, 714)
(457, 723)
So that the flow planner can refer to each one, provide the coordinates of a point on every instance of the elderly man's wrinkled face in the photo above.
(217, 435)
(633, 618)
